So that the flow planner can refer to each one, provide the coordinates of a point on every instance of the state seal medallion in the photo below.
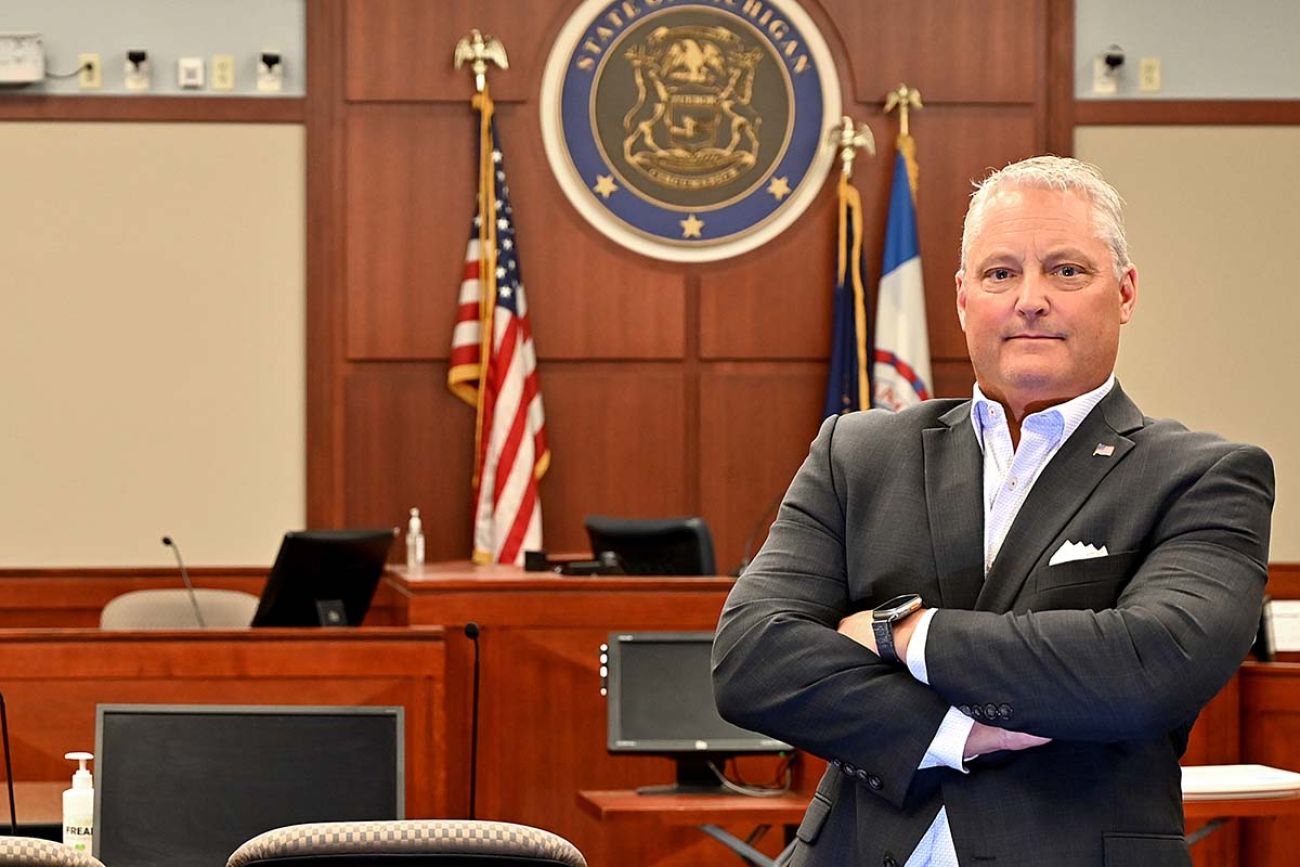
(689, 130)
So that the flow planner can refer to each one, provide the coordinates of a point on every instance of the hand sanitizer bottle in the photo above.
(79, 807)
(414, 541)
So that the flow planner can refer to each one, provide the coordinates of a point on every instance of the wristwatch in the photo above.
(883, 618)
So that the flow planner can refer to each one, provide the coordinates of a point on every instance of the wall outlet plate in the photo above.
(22, 58)
(1149, 75)
(136, 74)
(91, 75)
(270, 76)
(1104, 79)
(223, 72)
(189, 73)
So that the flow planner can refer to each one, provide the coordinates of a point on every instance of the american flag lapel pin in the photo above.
(1103, 449)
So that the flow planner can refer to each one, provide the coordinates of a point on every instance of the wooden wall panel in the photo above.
(410, 443)
(408, 220)
(618, 446)
(769, 303)
(760, 418)
(952, 52)
(402, 49)
(639, 413)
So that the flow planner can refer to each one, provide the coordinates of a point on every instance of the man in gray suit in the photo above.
(999, 618)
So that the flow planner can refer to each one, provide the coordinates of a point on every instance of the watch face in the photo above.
(897, 607)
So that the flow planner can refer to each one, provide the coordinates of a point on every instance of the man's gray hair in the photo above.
(1063, 174)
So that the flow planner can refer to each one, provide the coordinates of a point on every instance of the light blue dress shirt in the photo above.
(1009, 474)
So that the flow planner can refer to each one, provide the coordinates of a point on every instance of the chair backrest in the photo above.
(33, 852)
(410, 843)
(660, 546)
(172, 609)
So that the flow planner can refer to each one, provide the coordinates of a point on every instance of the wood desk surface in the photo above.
(787, 809)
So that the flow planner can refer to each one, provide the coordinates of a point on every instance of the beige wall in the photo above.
(152, 342)
(1214, 222)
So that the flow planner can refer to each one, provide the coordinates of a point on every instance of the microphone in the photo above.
(471, 632)
(9, 768)
(185, 576)
(747, 555)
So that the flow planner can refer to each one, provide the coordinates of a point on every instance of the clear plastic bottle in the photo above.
(79, 807)
(414, 540)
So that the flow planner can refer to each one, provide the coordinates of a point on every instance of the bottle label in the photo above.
(79, 833)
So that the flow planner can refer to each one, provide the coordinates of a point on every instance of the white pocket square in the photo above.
(1071, 551)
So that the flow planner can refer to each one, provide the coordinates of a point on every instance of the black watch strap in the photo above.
(884, 633)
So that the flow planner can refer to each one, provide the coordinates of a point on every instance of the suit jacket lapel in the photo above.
(1062, 488)
(954, 486)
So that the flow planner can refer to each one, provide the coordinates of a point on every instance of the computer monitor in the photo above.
(323, 578)
(660, 701)
(654, 546)
(185, 785)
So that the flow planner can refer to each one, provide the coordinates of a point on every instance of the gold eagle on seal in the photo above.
(692, 126)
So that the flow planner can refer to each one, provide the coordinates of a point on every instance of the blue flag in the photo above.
(849, 387)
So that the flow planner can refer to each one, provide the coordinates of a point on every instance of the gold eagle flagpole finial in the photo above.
(849, 136)
(903, 99)
(478, 50)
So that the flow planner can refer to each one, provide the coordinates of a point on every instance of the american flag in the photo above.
(494, 369)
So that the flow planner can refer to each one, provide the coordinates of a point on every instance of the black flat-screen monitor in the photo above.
(323, 578)
(186, 785)
(660, 701)
(654, 546)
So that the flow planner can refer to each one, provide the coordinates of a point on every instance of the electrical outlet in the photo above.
(136, 70)
(91, 75)
(1149, 75)
(223, 72)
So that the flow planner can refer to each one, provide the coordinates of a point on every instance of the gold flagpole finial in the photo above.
(477, 50)
(849, 136)
(903, 99)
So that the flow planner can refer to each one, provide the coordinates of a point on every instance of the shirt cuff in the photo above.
(949, 742)
(916, 647)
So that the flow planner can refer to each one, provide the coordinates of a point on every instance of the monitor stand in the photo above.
(694, 777)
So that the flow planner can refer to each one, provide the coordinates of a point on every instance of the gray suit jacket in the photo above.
(1111, 657)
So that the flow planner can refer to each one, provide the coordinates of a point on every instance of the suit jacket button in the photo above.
(835, 763)
(1004, 711)
(976, 711)
(889, 860)
(860, 774)
(965, 708)
(848, 769)
(990, 711)
(875, 782)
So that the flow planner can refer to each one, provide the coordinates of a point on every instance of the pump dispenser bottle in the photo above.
(414, 540)
(79, 807)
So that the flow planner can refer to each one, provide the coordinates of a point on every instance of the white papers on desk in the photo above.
(1286, 624)
(1214, 782)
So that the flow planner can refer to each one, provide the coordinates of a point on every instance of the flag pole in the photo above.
(903, 100)
(478, 51)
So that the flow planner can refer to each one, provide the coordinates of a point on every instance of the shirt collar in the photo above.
(987, 414)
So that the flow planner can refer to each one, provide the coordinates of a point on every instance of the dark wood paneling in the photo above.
(618, 446)
(951, 52)
(326, 448)
(402, 49)
(1270, 699)
(1195, 112)
(155, 109)
(952, 378)
(410, 198)
(411, 189)
(410, 443)
(770, 303)
(752, 450)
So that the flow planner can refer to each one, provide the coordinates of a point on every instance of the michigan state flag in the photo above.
(849, 386)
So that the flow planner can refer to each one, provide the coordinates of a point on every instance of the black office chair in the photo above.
(664, 546)
(408, 843)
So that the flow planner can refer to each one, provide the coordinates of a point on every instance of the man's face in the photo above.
(1039, 300)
